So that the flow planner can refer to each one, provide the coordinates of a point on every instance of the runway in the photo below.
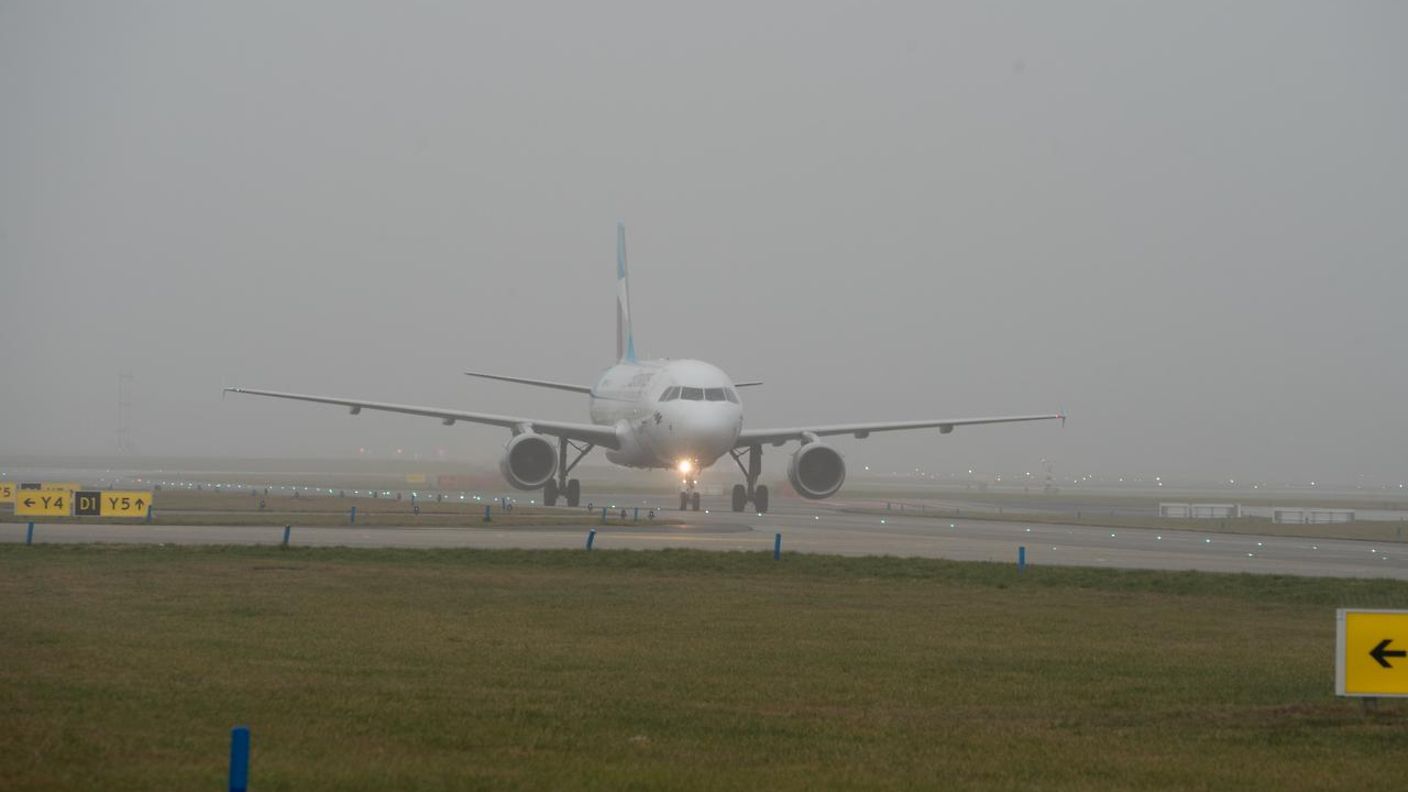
(811, 528)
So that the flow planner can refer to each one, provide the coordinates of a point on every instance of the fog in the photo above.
(1182, 223)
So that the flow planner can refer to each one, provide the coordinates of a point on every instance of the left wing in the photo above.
(862, 430)
(591, 433)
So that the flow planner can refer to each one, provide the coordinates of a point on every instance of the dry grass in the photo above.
(124, 668)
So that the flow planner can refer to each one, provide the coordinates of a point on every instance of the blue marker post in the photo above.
(603, 515)
(239, 759)
(777, 547)
(591, 537)
(29, 534)
(487, 509)
(287, 530)
(352, 517)
(636, 518)
(1022, 558)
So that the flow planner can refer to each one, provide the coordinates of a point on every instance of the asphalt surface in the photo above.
(819, 528)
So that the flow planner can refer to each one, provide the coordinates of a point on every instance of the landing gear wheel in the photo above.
(574, 492)
(760, 498)
(684, 501)
(550, 493)
(694, 501)
(740, 497)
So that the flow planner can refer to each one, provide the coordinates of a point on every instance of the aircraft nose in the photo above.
(705, 430)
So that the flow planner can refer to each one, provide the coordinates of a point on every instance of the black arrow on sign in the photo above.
(1382, 651)
(29, 503)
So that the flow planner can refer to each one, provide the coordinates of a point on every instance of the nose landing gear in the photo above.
(753, 491)
(689, 497)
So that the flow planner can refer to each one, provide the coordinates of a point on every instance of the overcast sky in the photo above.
(1184, 223)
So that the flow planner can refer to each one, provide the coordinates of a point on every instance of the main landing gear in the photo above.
(753, 491)
(570, 489)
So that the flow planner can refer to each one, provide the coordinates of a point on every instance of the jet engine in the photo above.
(529, 461)
(816, 471)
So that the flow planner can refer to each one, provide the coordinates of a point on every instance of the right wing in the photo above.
(862, 430)
(597, 435)
(538, 383)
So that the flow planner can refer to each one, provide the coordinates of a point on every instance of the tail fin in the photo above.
(625, 339)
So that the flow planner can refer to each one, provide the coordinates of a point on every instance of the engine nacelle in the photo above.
(529, 461)
(816, 471)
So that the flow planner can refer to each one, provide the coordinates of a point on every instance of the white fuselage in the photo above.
(667, 412)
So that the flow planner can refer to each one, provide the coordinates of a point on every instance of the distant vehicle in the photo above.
(679, 414)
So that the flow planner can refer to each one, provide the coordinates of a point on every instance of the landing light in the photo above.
(685, 466)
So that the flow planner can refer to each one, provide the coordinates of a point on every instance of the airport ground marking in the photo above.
(44, 504)
(118, 503)
(1364, 648)
(87, 503)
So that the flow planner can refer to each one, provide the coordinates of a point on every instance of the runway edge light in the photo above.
(1371, 653)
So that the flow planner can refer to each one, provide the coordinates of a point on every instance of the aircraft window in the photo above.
(733, 397)
(714, 394)
(693, 394)
(671, 393)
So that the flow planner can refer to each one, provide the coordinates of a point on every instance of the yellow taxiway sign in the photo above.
(1371, 657)
(122, 503)
(43, 503)
(7, 492)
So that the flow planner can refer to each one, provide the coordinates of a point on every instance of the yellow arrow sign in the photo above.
(1371, 656)
(7, 492)
(119, 503)
(43, 503)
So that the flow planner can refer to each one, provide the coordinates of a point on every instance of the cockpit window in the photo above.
(714, 394)
(671, 393)
(692, 394)
(733, 397)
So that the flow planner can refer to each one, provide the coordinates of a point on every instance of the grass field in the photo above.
(125, 667)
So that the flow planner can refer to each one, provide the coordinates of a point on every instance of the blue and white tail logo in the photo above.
(625, 339)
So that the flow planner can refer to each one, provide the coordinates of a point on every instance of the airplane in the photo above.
(683, 415)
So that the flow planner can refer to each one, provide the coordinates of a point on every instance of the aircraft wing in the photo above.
(536, 383)
(598, 435)
(862, 430)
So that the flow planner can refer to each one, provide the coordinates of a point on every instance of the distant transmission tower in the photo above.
(1049, 486)
(125, 446)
